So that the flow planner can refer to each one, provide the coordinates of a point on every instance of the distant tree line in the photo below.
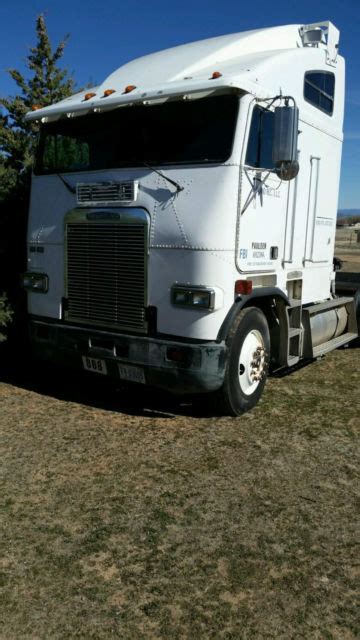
(43, 83)
(348, 220)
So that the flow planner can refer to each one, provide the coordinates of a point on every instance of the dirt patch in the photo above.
(133, 515)
(351, 263)
(351, 258)
(348, 249)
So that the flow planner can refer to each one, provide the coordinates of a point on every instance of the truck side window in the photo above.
(319, 90)
(259, 150)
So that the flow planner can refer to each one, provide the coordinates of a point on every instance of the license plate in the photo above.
(95, 365)
(132, 374)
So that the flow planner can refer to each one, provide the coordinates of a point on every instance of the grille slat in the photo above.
(106, 274)
(101, 193)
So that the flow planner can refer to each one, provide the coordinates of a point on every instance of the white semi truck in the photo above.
(183, 214)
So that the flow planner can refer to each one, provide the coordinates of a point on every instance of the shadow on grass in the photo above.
(19, 369)
(347, 281)
(282, 373)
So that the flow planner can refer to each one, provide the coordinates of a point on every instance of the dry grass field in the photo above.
(132, 515)
(348, 249)
(128, 514)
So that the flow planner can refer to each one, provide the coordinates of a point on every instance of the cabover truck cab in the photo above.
(183, 214)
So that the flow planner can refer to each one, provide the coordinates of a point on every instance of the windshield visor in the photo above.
(179, 132)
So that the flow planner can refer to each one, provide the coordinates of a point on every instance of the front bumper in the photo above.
(201, 369)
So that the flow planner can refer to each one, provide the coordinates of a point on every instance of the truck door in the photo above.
(264, 199)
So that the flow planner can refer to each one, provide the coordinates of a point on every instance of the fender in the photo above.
(242, 301)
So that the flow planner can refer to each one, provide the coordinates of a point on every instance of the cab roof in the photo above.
(245, 61)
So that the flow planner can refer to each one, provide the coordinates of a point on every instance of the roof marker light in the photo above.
(108, 92)
(129, 88)
(216, 75)
(35, 107)
(90, 95)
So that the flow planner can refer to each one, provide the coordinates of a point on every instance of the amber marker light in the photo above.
(108, 92)
(88, 96)
(35, 107)
(243, 287)
(216, 75)
(129, 88)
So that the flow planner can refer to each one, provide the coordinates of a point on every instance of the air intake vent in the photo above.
(106, 274)
(92, 194)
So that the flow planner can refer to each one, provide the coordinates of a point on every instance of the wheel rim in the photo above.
(252, 364)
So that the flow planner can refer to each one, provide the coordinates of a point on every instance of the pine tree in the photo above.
(5, 315)
(44, 83)
(47, 83)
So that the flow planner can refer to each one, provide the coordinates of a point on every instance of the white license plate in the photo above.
(95, 365)
(132, 374)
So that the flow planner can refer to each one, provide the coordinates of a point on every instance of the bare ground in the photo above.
(348, 249)
(130, 514)
(351, 262)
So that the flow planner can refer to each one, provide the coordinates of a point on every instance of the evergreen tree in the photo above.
(47, 83)
(5, 315)
(44, 83)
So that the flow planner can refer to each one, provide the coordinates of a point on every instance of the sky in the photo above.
(103, 36)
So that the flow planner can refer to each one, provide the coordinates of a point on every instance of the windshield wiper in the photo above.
(175, 184)
(66, 183)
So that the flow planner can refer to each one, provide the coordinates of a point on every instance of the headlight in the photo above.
(35, 282)
(201, 297)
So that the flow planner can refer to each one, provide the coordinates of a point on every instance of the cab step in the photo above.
(314, 351)
(328, 305)
(345, 338)
(296, 338)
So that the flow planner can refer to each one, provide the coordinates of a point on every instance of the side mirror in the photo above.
(284, 152)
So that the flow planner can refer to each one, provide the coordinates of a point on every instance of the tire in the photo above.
(357, 308)
(248, 343)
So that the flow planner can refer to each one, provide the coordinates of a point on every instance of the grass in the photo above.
(137, 516)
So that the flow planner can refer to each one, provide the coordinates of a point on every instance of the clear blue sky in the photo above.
(105, 35)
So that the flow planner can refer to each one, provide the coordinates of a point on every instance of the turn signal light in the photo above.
(243, 287)
(130, 87)
(108, 92)
(88, 96)
(177, 354)
(216, 75)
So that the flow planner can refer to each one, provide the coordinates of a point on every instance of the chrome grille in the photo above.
(106, 274)
(102, 193)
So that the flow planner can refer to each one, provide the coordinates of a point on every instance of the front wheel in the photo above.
(246, 370)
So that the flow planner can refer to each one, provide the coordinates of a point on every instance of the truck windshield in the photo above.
(179, 132)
